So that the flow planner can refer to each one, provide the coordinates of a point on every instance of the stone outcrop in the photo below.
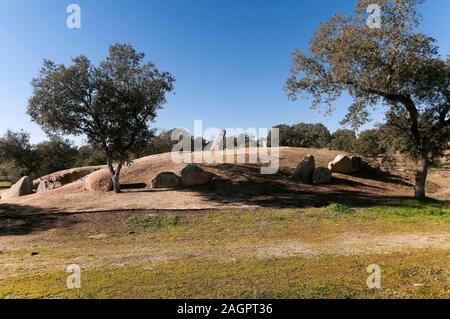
(341, 164)
(322, 175)
(357, 163)
(305, 170)
(99, 181)
(23, 187)
(166, 180)
(345, 164)
(193, 175)
(62, 178)
(46, 185)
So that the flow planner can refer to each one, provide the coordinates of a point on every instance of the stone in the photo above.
(59, 179)
(322, 175)
(23, 187)
(305, 170)
(166, 180)
(193, 175)
(341, 164)
(99, 181)
(356, 163)
(46, 185)
(218, 143)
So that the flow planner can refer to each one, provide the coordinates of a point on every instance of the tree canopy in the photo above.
(112, 104)
(343, 140)
(393, 65)
(304, 135)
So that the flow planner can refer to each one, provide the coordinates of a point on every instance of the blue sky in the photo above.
(230, 57)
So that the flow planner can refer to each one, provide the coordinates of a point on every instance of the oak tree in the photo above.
(112, 104)
(394, 65)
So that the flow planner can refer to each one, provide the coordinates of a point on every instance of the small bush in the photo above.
(437, 212)
(147, 222)
(338, 208)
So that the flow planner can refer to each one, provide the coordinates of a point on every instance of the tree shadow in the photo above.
(376, 174)
(18, 220)
(242, 184)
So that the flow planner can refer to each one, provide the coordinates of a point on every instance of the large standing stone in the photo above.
(22, 188)
(166, 180)
(193, 175)
(341, 164)
(322, 175)
(305, 170)
(218, 143)
(99, 181)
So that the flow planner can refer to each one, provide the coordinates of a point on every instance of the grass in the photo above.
(338, 208)
(5, 184)
(215, 255)
(340, 277)
(152, 222)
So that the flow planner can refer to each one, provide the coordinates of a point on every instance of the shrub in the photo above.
(338, 208)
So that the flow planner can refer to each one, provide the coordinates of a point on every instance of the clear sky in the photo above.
(230, 57)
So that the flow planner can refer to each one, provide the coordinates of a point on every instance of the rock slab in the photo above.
(166, 180)
(322, 175)
(305, 170)
(23, 187)
(194, 175)
(99, 181)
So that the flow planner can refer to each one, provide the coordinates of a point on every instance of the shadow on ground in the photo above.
(244, 185)
(22, 220)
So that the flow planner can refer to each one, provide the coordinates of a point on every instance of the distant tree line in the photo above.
(371, 143)
(19, 157)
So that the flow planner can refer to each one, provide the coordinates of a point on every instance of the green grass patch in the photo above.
(149, 222)
(421, 274)
(338, 208)
(228, 268)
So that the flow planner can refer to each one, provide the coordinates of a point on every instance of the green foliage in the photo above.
(112, 104)
(54, 155)
(15, 148)
(393, 65)
(343, 140)
(149, 222)
(89, 156)
(303, 135)
(396, 136)
(370, 144)
(338, 208)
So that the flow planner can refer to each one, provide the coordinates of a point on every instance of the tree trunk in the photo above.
(421, 177)
(115, 174)
(116, 184)
(116, 178)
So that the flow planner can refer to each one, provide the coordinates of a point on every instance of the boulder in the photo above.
(305, 170)
(322, 175)
(62, 178)
(46, 185)
(99, 181)
(193, 175)
(166, 180)
(341, 164)
(356, 163)
(22, 188)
